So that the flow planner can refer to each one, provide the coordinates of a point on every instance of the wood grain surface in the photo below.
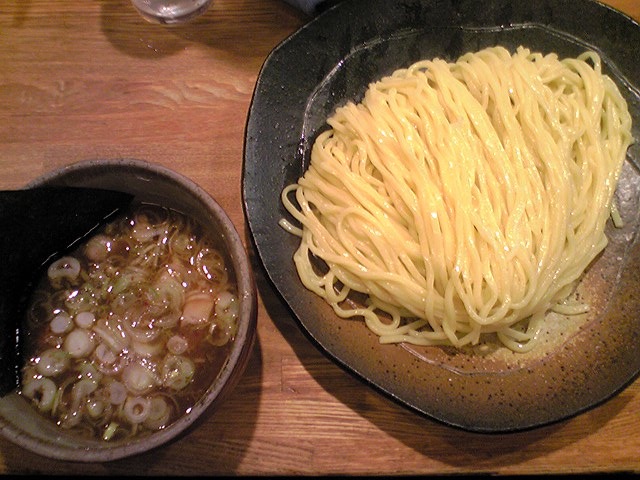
(82, 79)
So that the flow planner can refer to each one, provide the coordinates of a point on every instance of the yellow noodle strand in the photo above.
(463, 198)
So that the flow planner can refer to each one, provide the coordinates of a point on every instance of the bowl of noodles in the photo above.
(139, 328)
(453, 201)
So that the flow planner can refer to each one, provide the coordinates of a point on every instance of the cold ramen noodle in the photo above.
(129, 329)
(463, 200)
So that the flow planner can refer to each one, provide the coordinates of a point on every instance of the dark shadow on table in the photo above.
(136, 37)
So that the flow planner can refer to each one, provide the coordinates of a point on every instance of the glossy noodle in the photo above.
(463, 200)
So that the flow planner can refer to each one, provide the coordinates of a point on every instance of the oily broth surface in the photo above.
(209, 340)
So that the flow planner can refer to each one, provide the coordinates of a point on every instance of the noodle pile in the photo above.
(463, 199)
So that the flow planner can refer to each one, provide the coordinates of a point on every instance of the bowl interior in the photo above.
(24, 425)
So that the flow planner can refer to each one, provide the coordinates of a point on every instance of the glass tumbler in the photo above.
(170, 11)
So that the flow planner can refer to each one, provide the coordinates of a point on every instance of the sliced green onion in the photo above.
(110, 431)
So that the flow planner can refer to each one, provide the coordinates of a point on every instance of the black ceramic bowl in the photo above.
(332, 60)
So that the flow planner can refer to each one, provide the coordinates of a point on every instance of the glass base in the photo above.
(170, 11)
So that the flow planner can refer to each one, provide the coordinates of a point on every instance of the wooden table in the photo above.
(90, 79)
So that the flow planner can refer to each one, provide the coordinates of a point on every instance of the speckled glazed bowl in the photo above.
(22, 424)
(332, 60)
